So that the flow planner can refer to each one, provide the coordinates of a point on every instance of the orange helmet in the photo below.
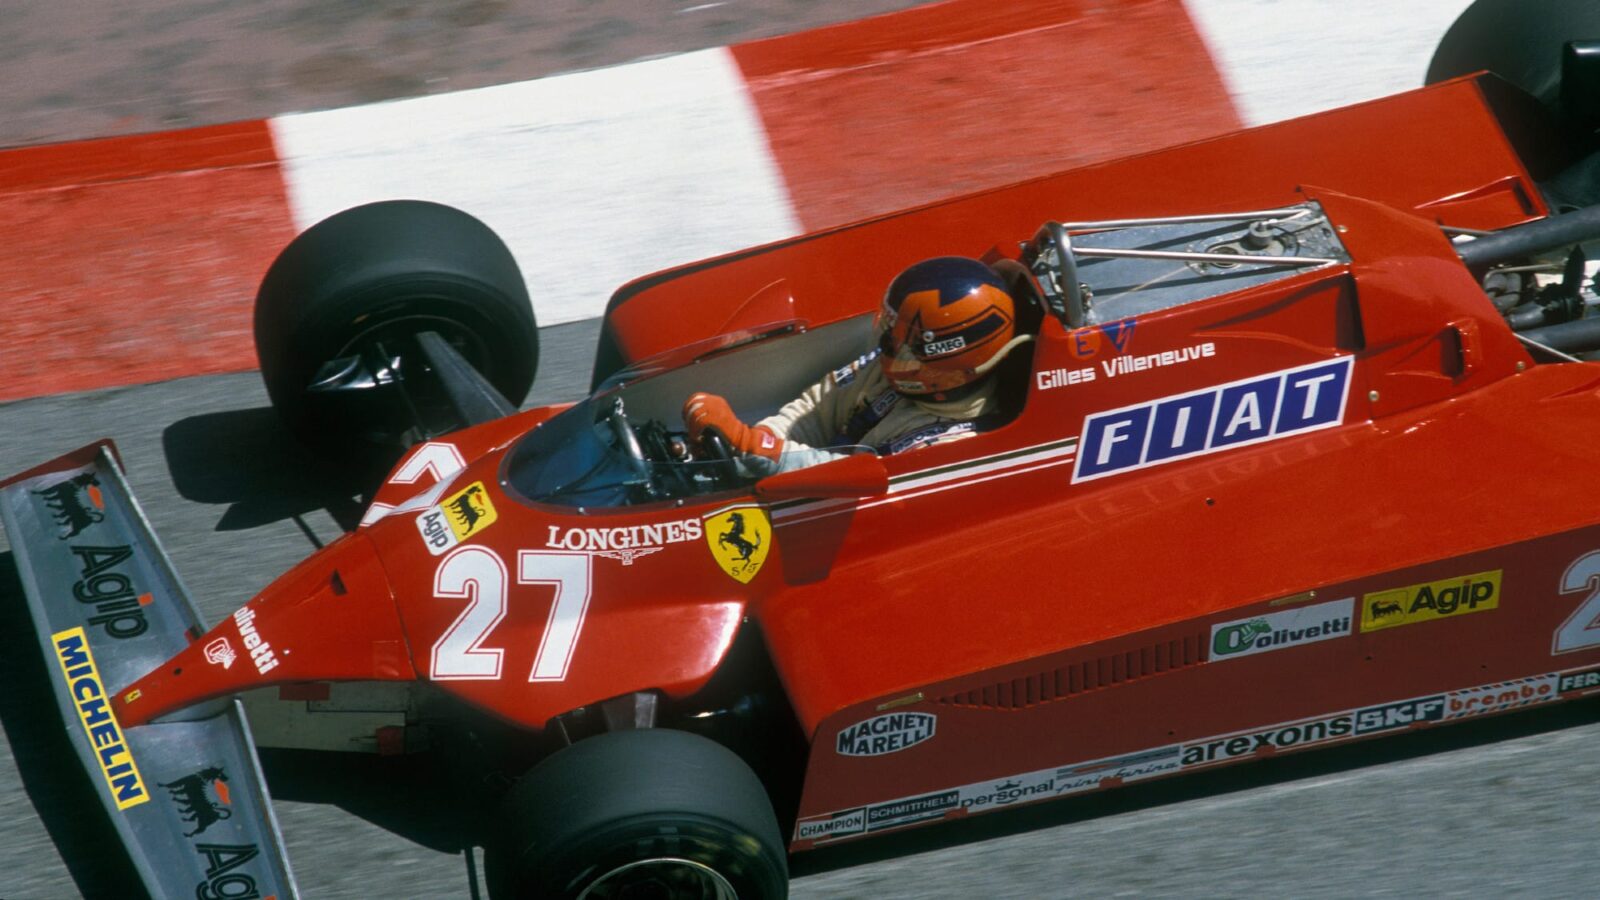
(944, 324)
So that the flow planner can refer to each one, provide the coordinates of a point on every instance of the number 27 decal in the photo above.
(1581, 630)
(477, 575)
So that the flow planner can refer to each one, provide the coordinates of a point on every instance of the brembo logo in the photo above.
(1252, 411)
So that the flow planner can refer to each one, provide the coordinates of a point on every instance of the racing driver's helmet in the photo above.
(944, 324)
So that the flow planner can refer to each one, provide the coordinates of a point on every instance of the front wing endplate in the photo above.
(186, 796)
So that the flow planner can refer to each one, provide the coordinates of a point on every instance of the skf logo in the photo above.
(1430, 600)
(461, 515)
(1403, 714)
(739, 540)
(66, 502)
(194, 800)
(888, 733)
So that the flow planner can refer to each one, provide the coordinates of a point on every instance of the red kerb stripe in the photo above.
(135, 156)
(880, 114)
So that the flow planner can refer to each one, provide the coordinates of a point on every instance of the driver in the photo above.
(944, 326)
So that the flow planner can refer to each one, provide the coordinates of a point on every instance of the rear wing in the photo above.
(187, 797)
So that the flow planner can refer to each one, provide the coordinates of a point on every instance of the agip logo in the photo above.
(1431, 600)
(65, 499)
(739, 540)
(462, 515)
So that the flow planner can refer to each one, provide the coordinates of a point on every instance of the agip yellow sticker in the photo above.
(469, 510)
(1431, 600)
(462, 515)
(739, 541)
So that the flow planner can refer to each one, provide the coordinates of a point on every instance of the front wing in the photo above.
(186, 797)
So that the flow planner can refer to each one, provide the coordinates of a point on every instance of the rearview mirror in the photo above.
(860, 475)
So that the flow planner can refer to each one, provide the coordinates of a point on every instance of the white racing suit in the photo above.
(856, 405)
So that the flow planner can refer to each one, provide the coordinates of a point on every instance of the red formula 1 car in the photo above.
(1244, 490)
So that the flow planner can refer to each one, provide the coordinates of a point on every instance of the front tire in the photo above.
(1517, 40)
(647, 813)
(377, 275)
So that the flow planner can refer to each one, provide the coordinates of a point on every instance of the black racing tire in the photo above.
(383, 272)
(1519, 40)
(626, 796)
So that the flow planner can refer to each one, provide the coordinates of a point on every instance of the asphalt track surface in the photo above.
(1503, 806)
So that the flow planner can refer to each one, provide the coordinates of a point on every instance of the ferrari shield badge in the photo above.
(740, 539)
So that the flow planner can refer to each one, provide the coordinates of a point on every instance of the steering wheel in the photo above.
(627, 441)
(718, 450)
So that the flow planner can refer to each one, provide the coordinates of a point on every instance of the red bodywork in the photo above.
(1032, 635)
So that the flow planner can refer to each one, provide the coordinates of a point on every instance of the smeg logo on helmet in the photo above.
(939, 348)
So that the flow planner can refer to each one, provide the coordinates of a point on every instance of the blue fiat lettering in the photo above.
(1244, 412)
(1314, 396)
(1113, 441)
(1182, 426)
(1271, 406)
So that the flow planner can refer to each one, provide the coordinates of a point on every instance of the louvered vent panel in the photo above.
(1081, 677)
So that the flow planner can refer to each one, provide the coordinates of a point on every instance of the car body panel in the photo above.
(1163, 700)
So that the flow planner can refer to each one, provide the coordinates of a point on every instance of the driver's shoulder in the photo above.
(858, 370)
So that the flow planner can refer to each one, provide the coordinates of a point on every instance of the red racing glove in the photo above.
(702, 411)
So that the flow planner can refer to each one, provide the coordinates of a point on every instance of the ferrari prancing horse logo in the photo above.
(740, 539)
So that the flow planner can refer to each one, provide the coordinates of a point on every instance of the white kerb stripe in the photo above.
(1281, 60)
(592, 178)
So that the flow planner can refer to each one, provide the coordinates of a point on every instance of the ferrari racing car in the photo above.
(1247, 485)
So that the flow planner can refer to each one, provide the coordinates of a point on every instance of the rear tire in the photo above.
(381, 273)
(588, 821)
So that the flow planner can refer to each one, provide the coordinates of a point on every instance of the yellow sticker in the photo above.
(739, 540)
(461, 515)
(1431, 600)
(99, 722)
(469, 510)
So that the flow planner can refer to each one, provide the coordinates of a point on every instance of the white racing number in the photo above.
(569, 573)
(477, 575)
(434, 459)
(1581, 630)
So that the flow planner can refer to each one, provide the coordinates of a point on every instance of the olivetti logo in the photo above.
(1252, 411)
